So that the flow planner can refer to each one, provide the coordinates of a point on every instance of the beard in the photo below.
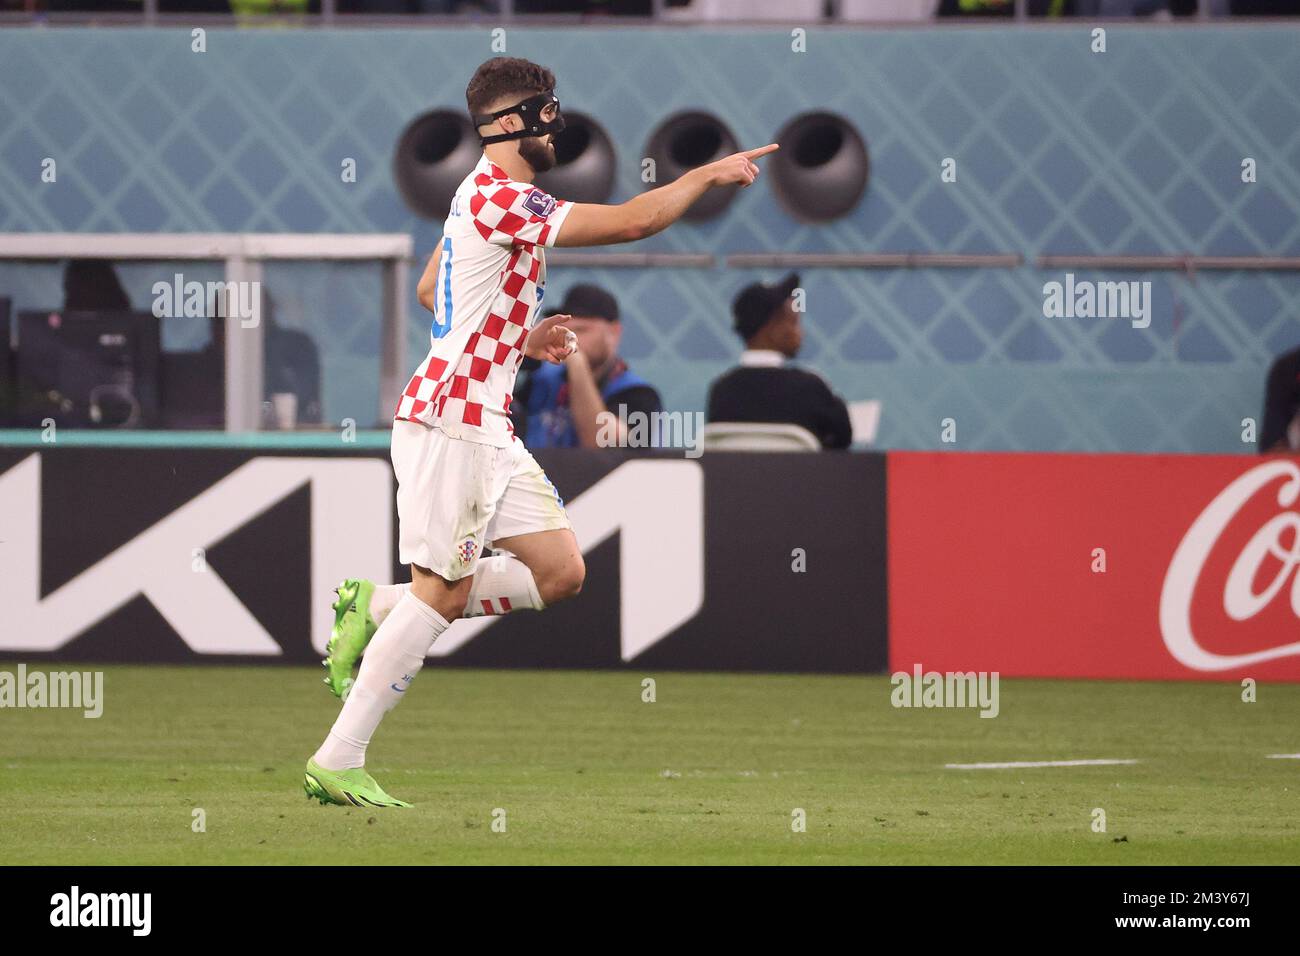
(537, 154)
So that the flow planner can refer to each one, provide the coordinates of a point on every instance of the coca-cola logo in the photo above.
(1262, 570)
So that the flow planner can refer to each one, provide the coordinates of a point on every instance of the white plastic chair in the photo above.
(887, 11)
(798, 11)
(758, 436)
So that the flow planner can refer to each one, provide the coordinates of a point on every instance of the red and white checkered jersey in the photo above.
(490, 283)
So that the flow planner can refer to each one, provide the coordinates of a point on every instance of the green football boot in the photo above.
(353, 629)
(347, 788)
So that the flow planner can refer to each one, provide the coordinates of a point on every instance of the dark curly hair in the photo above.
(505, 76)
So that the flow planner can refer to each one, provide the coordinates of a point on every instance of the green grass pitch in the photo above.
(586, 772)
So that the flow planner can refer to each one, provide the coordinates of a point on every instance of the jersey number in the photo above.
(442, 322)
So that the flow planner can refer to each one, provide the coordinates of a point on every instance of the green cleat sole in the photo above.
(314, 790)
(346, 788)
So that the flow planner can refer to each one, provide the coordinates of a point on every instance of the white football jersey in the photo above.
(490, 283)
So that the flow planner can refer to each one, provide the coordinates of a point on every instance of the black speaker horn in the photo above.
(584, 162)
(434, 153)
(821, 170)
(684, 141)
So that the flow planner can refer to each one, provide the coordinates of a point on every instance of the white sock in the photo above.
(385, 598)
(395, 655)
(502, 583)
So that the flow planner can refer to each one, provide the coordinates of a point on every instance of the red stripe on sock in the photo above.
(505, 605)
(487, 607)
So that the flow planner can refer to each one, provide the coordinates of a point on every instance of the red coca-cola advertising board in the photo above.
(1111, 566)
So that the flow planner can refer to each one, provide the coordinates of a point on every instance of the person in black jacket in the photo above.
(764, 388)
(1281, 428)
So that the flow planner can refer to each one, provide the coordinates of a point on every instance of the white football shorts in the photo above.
(456, 497)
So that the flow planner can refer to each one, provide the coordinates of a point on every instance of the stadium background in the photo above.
(1061, 151)
(822, 573)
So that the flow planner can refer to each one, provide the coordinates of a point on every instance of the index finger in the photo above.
(761, 151)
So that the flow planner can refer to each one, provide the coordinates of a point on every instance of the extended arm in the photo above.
(591, 224)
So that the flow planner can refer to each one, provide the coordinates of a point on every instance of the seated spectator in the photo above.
(766, 389)
(291, 366)
(291, 363)
(559, 406)
(92, 285)
(1281, 428)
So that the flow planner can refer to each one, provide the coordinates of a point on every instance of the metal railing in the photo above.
(1189, 263)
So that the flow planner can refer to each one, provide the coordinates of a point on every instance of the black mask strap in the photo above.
(530, 111)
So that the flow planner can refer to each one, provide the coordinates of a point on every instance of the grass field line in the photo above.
(1023, 764)
(1284, 756)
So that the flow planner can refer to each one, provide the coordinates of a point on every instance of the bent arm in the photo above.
(585, 404)
(427, 290)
